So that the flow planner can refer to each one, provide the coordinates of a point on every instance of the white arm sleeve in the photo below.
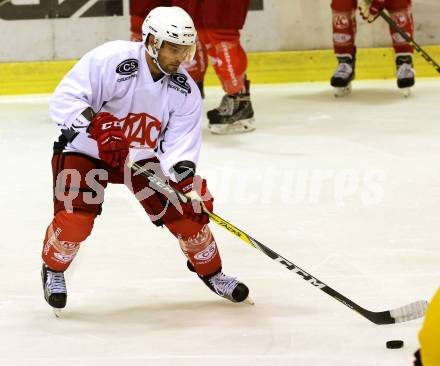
(81, 88)
(181, 141)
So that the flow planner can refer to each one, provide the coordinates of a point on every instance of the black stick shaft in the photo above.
(156, 183)
(383, 318)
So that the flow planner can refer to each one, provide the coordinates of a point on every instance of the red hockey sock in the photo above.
(202, 252)
(198, 244)
(344, 26)
(63, 237)
(227, 57)
(400, 12)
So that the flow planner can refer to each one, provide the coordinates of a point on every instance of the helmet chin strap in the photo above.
(153, 54)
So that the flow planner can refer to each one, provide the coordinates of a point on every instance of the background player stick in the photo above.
(410, 40)
(405, 313)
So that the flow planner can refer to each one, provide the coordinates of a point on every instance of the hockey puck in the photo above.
(394, 344)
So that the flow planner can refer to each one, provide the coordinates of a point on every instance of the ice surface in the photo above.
(348, 189)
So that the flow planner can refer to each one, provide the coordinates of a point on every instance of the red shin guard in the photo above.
(400, 12)
(63, 237)
(198, 244)
(227, 57)
(344, 26)
(202, 252)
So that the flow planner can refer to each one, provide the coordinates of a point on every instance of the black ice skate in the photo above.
(344, 75)
(225, 286)
(234, 115)
(54, 287)
(405, 73)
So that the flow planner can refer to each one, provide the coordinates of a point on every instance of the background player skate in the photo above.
(218, 24)
(148, 108)
(344, 33)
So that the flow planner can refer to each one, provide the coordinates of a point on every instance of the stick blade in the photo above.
(409, 312)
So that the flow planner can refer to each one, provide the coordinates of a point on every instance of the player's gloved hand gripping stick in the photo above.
(405, 313)
(199, 200)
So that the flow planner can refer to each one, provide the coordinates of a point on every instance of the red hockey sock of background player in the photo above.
(400, 11)
(344, 26)
(227, 57)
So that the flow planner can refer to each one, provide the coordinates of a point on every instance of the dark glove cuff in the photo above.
(184, 169)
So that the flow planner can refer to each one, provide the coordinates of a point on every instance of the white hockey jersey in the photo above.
(159, 118)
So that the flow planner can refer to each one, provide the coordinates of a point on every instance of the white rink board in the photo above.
(133, 302)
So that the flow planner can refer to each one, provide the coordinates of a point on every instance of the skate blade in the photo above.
(57, 312)
(343, 91)
(406, 92)
(242, 126)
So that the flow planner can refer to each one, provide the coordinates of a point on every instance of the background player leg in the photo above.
(235, 113)
(400, 11)
(344, 32)
(218, 25)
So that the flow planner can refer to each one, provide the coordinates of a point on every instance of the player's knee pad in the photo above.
(183, 228)
(75, 226)
(63, 238)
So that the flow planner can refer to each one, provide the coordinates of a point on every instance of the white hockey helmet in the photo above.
(171, 24)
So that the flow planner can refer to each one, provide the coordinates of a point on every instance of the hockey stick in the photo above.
(410, 40)
(405, 313)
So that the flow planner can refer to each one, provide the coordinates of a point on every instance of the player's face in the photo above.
(171, 55)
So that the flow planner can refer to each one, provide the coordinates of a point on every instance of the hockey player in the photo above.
(429, 335)
(218, 24)
(132, 99)
(344, 33)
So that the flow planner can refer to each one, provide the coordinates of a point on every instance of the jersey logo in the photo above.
(181, 83)
(127, 67)
(141, 130)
